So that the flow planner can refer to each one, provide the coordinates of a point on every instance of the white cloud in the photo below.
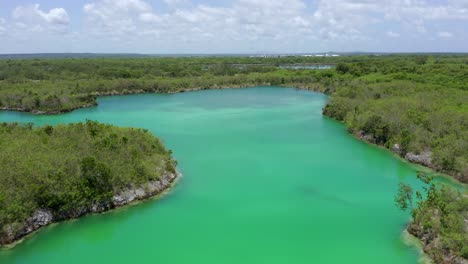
(463, 4)
(107, 6)
(30, 22)
(56, 16)
(26, 28)
(33, 13)
(393, 34)
(444, 34)
(340, 17)
(265, 19)
(115, 17)
(107, 9)
(2, 26)
(247, 25)
(175, 3)
(149, 18)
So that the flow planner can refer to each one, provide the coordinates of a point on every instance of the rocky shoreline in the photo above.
(17, 231)
(429, 241)
(141, 91)
(40, 112)
(432, 243)
(125, 92)
(424, 158)
(44, 217)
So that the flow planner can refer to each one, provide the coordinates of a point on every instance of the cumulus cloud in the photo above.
(249, 19)
(339, 17)
(248, 24)
(115, 17)
(345, 21)
(31, 22)
(106, 7)
(174, 3)
(55, 16)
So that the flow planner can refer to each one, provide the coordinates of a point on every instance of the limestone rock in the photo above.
(397, 149)
(423, 158)
(40, 218)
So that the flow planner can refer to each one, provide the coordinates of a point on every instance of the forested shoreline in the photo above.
(413, 105)
(438, 219)
(54, 173)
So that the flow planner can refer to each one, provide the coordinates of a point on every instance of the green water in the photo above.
(267, 179)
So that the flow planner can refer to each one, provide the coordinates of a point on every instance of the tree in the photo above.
(376, 126)
(432, 194)
(421, 60)
(342, 68)
(404, 197)
(48, 129)
(96, 177)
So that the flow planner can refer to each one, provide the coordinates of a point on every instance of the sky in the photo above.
(232, 26)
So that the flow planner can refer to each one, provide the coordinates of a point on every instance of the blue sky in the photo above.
(233, 26)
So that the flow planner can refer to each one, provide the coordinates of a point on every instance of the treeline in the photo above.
(63, 95)
(105, 68)
(418, 118)
(68, 168)
(54, 85)
(420, 107)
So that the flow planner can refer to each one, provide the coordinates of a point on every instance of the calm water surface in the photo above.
(267, 179)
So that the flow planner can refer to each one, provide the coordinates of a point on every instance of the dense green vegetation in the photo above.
(439, 219)
(415, 101)
(419, 117)
(65, 84)
(67, 168)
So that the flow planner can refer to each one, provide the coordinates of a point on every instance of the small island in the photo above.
(55, 173)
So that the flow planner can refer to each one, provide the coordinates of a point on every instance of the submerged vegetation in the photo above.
(439, 219)
(413, 104)
(67, 169)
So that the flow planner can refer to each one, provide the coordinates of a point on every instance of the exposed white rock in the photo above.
(43, 217)
(424, 158)
(396, 148)
(149, 189)
(39, 219)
